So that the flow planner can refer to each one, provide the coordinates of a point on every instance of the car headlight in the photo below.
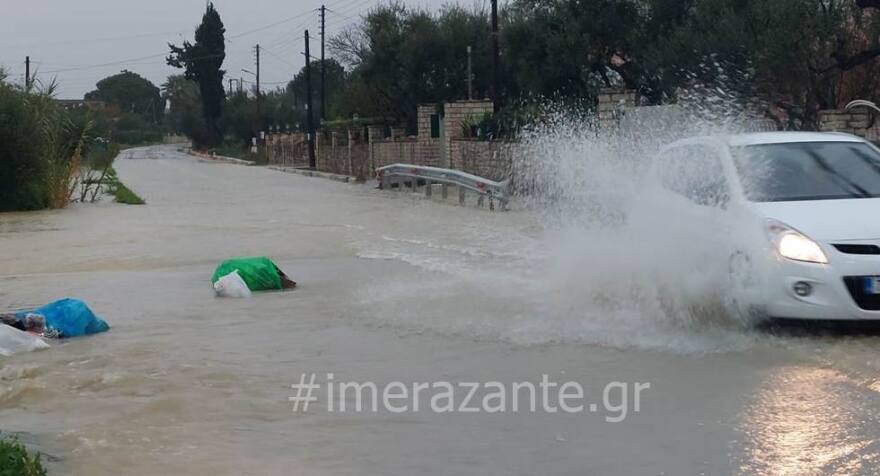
(794, 245)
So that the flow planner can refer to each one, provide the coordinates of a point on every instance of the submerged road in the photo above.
(393, 287)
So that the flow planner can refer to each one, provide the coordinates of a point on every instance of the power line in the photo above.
(100, 40)
(349, 11)
(339, 3)
(286, 41)
(341, 15)
(145, 35)
(292, 34)
(112, 63)
(279, 58)
(349, 15)
(150, 35)
(271, 25)
(126, 62)
(289, 38)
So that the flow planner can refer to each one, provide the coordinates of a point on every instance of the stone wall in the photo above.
(612, 103)
(491, 160)
(407, 151)
(425, 150)
(760, 125)
(851, 122)
(357, 153)
(455, 113)
(424, 113)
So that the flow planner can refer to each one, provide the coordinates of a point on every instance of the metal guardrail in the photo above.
(402, 173)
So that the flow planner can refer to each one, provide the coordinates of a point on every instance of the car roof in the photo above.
(760, 138)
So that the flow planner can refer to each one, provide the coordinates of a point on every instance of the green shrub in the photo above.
(15, 460)
(21, 167)
(96, 175)
(134, 130)
(504, 125)
(40, 149)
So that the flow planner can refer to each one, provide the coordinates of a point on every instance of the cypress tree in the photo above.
(202, 62)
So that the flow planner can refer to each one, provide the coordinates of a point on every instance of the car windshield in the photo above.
(808, 171)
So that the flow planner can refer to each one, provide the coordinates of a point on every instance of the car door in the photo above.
(695, 173)
(695, 196)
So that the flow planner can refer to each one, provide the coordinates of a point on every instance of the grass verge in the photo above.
(121, 193)
(16, 461)
(124, 195)
(238, 152)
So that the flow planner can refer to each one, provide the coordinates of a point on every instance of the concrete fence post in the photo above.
(349, 152)
(370, 159)
(283, 149)
(334, 142)
(319, 146)
(444, 145)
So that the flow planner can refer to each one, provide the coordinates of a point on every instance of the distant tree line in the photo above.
(796, 56)
(788, 58)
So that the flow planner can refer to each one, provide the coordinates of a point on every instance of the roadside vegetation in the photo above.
(128, 109)
(793, 57)
(41, 150)
(16, 461)
(123, 194)
(50, 156)
(787, 59)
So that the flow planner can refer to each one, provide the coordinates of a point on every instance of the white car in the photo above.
(812, 203)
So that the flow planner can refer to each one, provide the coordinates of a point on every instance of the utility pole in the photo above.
(496, 93)
(323, 65)
(27, 73)
(470, 78)
(310, 125)
(259, 94)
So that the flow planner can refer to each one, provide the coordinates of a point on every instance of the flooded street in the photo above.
(393, 287)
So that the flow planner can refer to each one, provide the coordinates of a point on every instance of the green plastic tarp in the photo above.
(259, 273)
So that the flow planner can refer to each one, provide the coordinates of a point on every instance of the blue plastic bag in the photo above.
(69, 318)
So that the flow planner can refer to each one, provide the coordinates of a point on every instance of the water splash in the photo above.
(610, 258)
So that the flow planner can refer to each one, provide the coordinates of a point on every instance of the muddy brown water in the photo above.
(392, 287)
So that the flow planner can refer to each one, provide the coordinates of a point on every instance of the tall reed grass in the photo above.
(41, 149)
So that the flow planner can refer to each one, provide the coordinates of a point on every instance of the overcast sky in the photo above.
(75, 40)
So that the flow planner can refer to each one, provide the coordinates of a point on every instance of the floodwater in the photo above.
(393, 287)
